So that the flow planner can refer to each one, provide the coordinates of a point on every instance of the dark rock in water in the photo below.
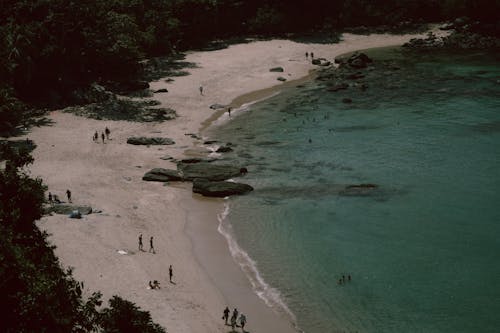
(243, 171)
(341, 86)
(224, 149)
(207, 170)
(150, 141)
(67, 209)
(162, 175)
(277, 69)
(359, 190)
(346, 100)
(219, 188)
(359, 60)
(281, 78)
(355, 76)
(163, 90)
(217, 106)
(195, 160)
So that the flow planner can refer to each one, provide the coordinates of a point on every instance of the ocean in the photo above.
(420, 242)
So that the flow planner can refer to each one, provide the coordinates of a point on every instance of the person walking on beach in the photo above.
(96, 136)
(201, 90)
(170, 273)
(312, 55)
(68, 194)
(140, 243)
(102, 137)
(307, 55)
(233, 322)
(50, 197)
(243, 321)
(108, 132)
(229, 112)
(225, 314)
(234, 317)
(151, 247)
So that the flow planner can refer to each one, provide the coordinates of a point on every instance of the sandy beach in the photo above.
(107, 176)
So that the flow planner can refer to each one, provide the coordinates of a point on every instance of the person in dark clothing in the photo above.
(68, 194)
(151, 247)
(103, 137)
(140, 243)
(225, 314)
(170, 273)
(108, 132)
(50, 197)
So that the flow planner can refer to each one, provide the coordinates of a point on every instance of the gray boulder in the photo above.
(150, 141)
(219, 188)
(67, 209)
(162, 175)
(217, 106)
(277, 69)
(207, 170)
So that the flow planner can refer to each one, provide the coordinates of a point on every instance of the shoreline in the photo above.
(108, 177)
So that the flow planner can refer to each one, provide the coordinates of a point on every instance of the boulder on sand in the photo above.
(162, 175)
(277, 69)
(207, 170)
(219, 188)
(141, 140)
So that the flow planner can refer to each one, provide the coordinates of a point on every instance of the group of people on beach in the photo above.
(151, 247)
(54, 198)
(342, 280)
(104, 135)
(156, 285)
(234, 319)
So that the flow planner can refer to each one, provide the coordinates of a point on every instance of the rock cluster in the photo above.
(142, 140)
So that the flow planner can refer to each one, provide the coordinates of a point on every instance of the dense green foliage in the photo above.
(49, 48)
(37, 295)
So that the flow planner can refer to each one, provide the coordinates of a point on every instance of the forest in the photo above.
(50, 48)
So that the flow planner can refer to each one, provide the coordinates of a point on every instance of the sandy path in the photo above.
(108, 177)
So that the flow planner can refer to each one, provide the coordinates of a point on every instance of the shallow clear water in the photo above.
(423, 248)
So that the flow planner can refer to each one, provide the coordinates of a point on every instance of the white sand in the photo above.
(108, 177)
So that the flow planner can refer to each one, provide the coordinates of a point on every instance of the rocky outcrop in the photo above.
(224, 149)
(141, 140)
(209, 171)
(162, 175)
(219, 188)
(217, 106)
(67, 209)
(162, 90)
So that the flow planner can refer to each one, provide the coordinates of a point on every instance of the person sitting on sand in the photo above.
(151, 285)
(156, 284)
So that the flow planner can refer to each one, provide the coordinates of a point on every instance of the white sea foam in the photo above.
(271, 296)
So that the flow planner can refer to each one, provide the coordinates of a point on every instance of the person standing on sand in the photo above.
(108, 132)
(151, 247)
(96, 136)
(233, 322)
(68, 194)
(170, 273)
(312, 55)
(243, 321)
(102, 137)
(201, 90)
(140, 243)
(50, 197)
(307, 55)
(229, 112)
(225, 314)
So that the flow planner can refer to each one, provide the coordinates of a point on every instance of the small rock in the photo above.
(281, 78)
(277, 69)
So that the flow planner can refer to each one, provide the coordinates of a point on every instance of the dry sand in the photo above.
(108, 177)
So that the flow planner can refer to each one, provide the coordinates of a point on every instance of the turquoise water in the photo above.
(422, 248)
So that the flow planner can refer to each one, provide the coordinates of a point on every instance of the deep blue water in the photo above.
(423, 247)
